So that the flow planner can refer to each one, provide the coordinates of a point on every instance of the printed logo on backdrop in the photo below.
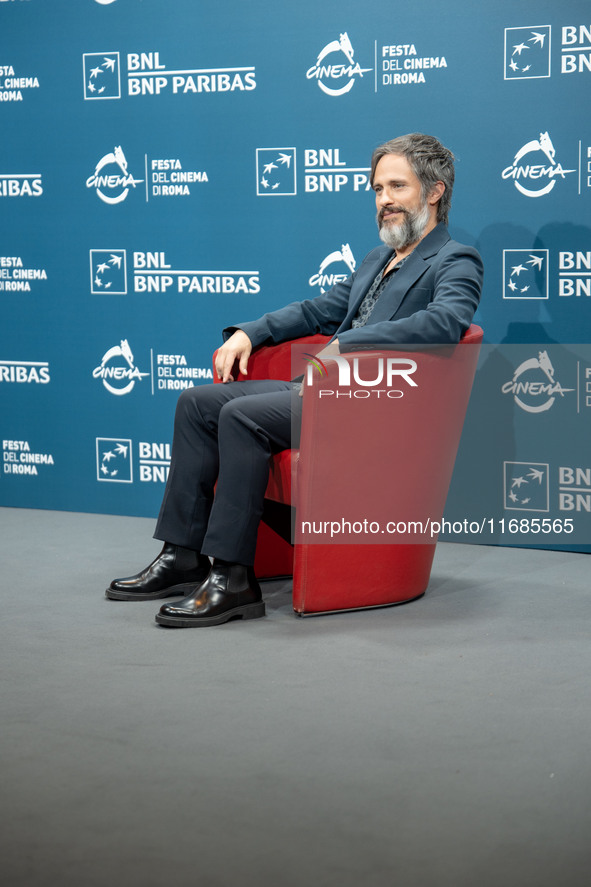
(169, 179)
(13, 84)
(335, 268)
(15, 277)
(525, 273)
(154, 461)
(25, 372)
(102, 75)
(324, 171)
(576, 49)
(164, 177)
(148, 75)
(117, 370)
(527, 52)
(21, 184)
(574, 275)
(534, 386)
(336, 69)
(18, 458)
(574, 484)
(111, 178)
(401, 64)
(526, 486)
(174, 372)
(113, 460)
(168, 372)
(108, 272)
(276, 172)
(152, 273)
(534, 170)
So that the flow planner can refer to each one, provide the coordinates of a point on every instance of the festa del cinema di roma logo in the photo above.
(326, 276)
(117, 369)
(386, 371)
(537, 178)
(533, 385)
(334, 74)
(111, 178)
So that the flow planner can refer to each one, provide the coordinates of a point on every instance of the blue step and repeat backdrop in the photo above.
(169, 167)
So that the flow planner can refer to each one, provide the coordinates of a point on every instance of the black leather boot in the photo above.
(231, 591)
(176, 570)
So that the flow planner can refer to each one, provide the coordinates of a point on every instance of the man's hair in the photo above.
(430, 161)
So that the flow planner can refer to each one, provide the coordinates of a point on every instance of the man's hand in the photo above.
(237, 348)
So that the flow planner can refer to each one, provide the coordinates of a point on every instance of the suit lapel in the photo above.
(364, 280)
(402, 281)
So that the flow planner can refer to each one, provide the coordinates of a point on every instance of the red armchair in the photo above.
(371, 474)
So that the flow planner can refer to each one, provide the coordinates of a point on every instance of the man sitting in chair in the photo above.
(420, 288)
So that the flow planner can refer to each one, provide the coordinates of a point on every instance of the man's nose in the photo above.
(384, 198)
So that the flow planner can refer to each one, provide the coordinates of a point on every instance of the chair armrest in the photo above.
(275, 361)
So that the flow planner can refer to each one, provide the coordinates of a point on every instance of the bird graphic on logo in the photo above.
(276, 175)
(527, 52)
(108, 273)
(525, 274)
(113, 459)
(526, 486)
(101, 76)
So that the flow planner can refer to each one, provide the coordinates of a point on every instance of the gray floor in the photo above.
(445, 742)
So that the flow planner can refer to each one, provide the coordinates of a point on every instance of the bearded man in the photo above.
(420, 288)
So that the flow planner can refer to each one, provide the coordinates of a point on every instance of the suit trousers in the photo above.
(225, 434)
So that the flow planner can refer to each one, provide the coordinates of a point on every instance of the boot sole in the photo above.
(184, 589)
(249, 611)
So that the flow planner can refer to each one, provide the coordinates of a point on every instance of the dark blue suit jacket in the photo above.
(431, 300)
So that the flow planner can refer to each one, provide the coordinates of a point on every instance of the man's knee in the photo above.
(266, 416)
(233, 411)
(199, 401)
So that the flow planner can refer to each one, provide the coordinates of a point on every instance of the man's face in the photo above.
(403, 215)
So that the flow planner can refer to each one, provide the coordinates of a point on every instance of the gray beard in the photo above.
(410, 230)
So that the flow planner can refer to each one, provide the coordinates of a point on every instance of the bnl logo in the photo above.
(526, 486)
(527, 52)
(525, 273)
(113, 460)
(102, 79)
(276, 172)
(108, 272)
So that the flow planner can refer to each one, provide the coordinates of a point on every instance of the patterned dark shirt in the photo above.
(373, 294)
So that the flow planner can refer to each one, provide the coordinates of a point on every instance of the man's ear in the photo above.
(436, 193)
